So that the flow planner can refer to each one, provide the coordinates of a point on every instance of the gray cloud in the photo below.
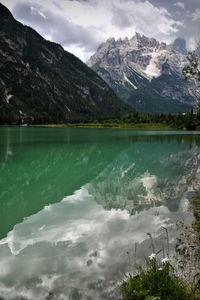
(122, 18)
(58, 28)
(169, 5)
(165, 20)
(92, 2)
(190, 29)
(161, 19)
(145, 18)
(180, 4)
(196, 15)
(57, 4)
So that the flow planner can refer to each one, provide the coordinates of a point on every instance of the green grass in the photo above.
(158, 281)
(139, 126)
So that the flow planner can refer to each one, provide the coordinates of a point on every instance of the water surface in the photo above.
(74, 202)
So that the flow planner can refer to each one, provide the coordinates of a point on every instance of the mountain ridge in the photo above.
(40, 82)
(128, 65)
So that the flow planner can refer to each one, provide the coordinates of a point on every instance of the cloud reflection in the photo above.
(74, 246)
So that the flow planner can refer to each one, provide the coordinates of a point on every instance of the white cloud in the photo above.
(196, 15)
(35, 11)
(42, 14)
(180, 4)
(57, 27)
(81, 25)
(143, 17)
(79, 52)
(117, 18)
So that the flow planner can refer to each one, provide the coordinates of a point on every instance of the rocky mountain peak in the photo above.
(137, 36)
(166, 68)
(128, 64)
(143, 54)
(180, 46)
(111, 41)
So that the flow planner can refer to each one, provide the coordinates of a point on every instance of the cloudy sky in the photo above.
(81, 25)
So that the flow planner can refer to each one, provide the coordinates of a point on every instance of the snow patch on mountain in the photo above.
(126, 79)
(152, 69)
(129, 64)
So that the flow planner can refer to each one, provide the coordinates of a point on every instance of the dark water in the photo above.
(73, 202)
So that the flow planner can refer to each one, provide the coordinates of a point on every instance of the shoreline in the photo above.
(139, 126)
(108, 125)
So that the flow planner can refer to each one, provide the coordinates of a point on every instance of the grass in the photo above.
(158, 281)
(139, 126)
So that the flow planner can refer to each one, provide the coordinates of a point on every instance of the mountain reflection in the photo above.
(147, 174)
(126, 169)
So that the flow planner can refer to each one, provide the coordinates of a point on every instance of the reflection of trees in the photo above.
(49, 164)
(44, 169)
(187, 139)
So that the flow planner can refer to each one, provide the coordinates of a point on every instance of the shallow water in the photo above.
(75, 203)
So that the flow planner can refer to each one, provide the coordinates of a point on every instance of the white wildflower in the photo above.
(164, 260)
(152, 256)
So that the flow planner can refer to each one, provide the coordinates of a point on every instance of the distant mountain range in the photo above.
(42, 83)
(146, 73)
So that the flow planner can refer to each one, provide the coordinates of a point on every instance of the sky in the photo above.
(80, 26)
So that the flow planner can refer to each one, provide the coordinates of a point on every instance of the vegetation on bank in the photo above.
(158, 282)
(139, 126)
(162, 279)
(188, 121)
(196, 224)
(192, 71)
(136, 120)
(197, 221)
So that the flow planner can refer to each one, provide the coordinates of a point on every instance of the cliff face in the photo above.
(141, 68)
(40, 82)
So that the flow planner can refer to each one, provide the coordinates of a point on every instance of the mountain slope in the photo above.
(172, 88)
(141, 67)
(40, 82)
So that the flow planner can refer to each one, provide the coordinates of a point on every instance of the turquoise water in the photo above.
(73, 202)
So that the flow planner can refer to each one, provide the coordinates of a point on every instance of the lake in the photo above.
(76, 206)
